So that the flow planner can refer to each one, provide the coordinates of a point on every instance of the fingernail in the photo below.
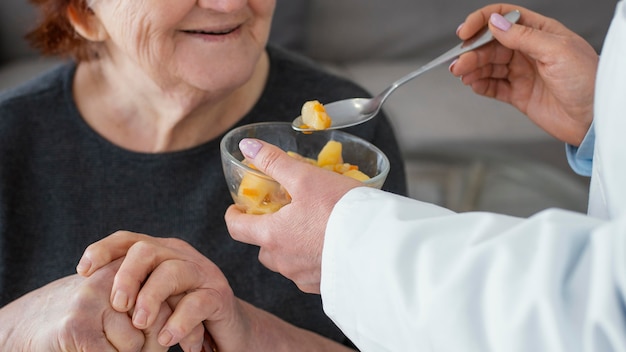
(83, 266)
(140, 318)
(452, 64)
(120, 301)
(165, 338)
(250, 147)
(458, 29)
(500, 22)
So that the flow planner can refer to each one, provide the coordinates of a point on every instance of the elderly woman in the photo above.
(125, 137)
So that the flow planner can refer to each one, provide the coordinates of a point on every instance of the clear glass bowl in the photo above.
(355, 150)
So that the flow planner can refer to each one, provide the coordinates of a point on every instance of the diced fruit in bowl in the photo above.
(335, 150)
(330, 154)
(262, 196)
(356, 174)
(331, 158)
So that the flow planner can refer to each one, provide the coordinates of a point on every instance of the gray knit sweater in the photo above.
(63, 186)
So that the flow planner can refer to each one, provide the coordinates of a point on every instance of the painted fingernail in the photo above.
(452, 65)
(458, 29)
(250, 147)
(500, 22)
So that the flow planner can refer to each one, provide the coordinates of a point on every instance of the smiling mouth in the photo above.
(219, 32)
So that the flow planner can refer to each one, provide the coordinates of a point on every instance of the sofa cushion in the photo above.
(374, 29)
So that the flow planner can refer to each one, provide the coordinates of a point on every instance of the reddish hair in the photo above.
(54, 34)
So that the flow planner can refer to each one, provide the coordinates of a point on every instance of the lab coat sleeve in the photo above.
(580, 158)
(403, 275)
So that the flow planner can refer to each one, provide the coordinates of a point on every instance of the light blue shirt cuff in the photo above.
(580, 158)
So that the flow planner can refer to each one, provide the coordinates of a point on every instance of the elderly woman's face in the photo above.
(209, 44)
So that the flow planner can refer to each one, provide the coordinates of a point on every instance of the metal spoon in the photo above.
(350, 112)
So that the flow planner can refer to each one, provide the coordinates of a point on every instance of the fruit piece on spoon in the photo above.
(350, 112)
(314, 116)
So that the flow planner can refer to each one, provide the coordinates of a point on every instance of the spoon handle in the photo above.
(478, 40)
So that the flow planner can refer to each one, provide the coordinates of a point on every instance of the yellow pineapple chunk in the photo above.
(314, 115)
(256, 190)
(343, 168)
(330, 154)
(356, 174)
(302, 158)
(263, 208)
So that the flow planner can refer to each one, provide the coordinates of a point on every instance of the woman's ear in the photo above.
(87, 24)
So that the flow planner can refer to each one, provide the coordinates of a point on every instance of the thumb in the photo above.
(277, 164)
(536, 43)
(272, 161)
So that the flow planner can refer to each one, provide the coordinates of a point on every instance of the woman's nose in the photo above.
(223, 5)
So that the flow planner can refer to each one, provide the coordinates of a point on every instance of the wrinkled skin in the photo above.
(171, 75)
(173, 267)
(74, 314)
(159, 270)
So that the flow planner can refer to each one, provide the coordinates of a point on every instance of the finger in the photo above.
(478, 19)
(185, 325)
(121, 333)
(480, 63)
(535, 36)
(533, 42)
(494, 88)
(100, 343)
(194, 341)
(209, 344)
(109, 337)
(106, 250)
(275, 163)
(486, 72)
(491, 81)
(174, 277)
(246, 228)
(118, 333)
(152, 333)
(170, 278)
(141, 259)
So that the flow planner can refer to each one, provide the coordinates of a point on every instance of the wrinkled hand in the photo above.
(158, 270)
(538, 65)
(74, 314)
(291, 239)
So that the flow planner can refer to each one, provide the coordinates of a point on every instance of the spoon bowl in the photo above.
(350, 112)
(344, 113)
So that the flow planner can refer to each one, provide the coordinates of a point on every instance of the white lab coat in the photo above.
(403, 275)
